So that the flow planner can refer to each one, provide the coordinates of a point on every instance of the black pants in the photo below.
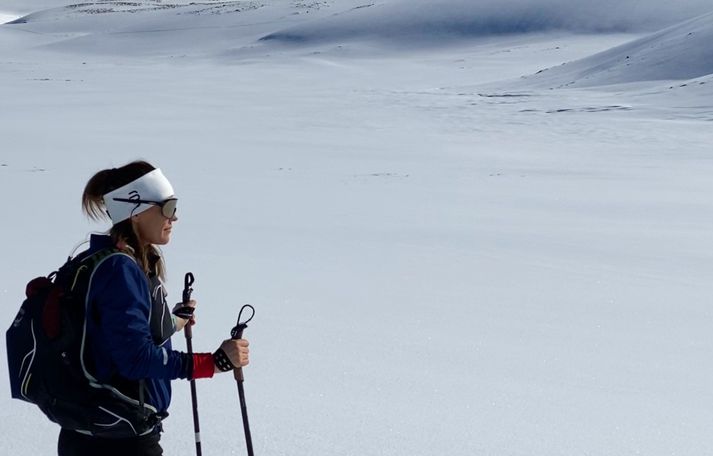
(75, 444)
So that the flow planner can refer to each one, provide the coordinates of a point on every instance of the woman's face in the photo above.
(152, 227)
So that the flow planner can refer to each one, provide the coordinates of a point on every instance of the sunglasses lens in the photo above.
(169, 208)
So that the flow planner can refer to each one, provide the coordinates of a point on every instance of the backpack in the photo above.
(47, 365)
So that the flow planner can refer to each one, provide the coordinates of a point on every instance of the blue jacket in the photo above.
(128, 330)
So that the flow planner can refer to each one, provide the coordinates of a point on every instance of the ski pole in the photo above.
(237, 333)
(187, 290)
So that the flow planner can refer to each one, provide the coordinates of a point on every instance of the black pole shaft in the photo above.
(244, 411)
(188, 331)
(239, 379)
(194, 394)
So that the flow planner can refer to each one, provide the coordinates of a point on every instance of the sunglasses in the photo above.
(168, 207)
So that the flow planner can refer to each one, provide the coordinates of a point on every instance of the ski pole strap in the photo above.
(221, 360)
(237, 332)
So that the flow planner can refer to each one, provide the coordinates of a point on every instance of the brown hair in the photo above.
(149, 258)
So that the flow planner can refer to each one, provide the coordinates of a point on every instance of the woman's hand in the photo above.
(184, 312)
(237, 351)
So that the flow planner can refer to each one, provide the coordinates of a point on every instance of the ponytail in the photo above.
(92, 199)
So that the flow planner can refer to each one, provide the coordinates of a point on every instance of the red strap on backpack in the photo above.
(50, 308)
(50, 314)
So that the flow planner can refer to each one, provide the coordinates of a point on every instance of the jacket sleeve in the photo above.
(120, 292)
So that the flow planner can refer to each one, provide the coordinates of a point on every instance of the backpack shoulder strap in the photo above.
(88, 264)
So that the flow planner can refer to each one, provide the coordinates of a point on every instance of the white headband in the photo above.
(150, 187)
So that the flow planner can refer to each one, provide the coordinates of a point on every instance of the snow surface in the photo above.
(8, 16)
(682, 51)
(422, 22)
(445, 257)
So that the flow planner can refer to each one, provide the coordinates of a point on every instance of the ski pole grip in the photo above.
(187, 291)
(237, 333)
(187, 284)
(238, 374)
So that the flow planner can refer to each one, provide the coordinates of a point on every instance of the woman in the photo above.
(126, 342)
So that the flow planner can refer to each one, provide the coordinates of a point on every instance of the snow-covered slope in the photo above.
(408, 22)
(158, 28)
(21, 7)
(155, 27)
(680, 52)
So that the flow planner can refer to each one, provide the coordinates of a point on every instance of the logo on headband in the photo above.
(134, 196)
